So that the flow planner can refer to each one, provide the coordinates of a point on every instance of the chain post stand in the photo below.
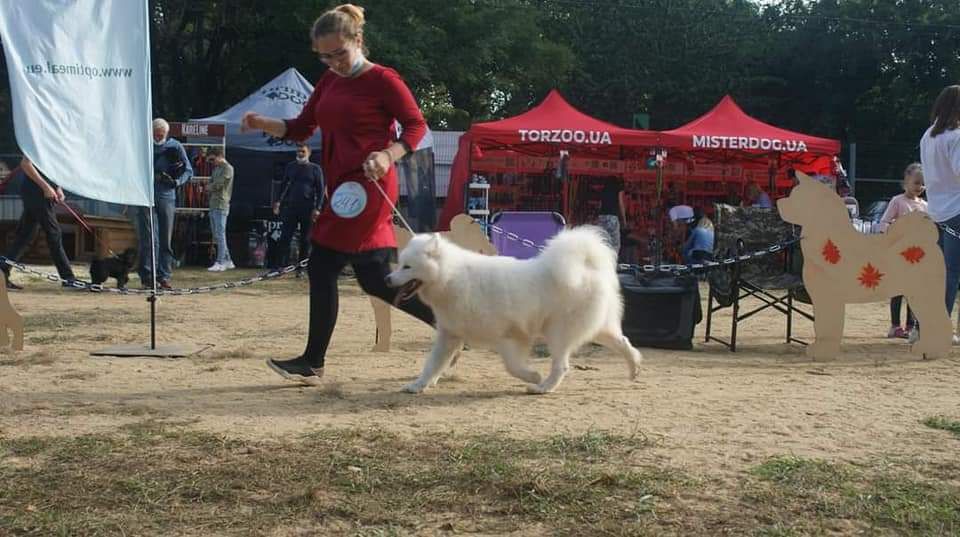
(152, 299)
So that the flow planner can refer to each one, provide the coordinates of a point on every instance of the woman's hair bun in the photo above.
(355, 12)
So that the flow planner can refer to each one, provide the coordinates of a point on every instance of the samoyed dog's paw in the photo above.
(414, 387)
(537, 389)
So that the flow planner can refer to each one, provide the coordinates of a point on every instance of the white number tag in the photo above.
(349, 200)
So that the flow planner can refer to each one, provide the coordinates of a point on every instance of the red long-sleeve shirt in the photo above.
(356, 116)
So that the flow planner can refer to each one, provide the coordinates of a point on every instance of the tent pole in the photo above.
(658, 212)
(466, 185)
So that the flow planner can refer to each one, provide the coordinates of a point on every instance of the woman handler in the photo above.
(355, 104)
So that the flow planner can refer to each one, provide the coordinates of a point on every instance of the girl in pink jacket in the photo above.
(900, 205)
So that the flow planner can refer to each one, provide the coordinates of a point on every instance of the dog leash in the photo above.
(393, 207)
(80, 220)
(76, 216)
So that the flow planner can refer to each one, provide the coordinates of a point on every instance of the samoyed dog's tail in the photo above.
(577, 256)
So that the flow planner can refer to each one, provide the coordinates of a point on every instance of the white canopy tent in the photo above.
(282, 97)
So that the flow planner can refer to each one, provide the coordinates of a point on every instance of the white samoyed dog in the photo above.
(568, 295)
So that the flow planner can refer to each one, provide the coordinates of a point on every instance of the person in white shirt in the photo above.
(940, 156)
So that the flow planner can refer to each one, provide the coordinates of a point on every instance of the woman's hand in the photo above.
(250, 121)
(253, 121)
(377, 165)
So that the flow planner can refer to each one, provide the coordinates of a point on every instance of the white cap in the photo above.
(683, 213)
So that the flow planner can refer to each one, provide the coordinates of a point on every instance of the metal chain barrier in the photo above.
(274, 274)
(710, 264)
(666, 269)
(490, 228)
(100, 288)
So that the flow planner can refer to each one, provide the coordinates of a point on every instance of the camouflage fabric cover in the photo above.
(758, 229)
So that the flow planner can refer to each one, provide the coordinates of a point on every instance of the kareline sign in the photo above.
(565, 136)
(744, 142)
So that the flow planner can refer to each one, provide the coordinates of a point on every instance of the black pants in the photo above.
(371, 269)
(896, 304)
(293, 218)
(39, 214)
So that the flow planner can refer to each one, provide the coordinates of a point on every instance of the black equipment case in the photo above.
(660, 310)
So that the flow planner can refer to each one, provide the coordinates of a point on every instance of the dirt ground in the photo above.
(707, 408)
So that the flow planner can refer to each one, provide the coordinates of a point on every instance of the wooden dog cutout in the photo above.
(843, 266)
(464, 232)
(9, 319)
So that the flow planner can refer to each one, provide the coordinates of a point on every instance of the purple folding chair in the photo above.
(534, 226)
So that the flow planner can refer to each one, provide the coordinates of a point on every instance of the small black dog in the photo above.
(118, 266)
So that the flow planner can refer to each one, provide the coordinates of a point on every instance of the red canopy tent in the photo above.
(728, 127)
(708, 160)
(727, 134)
(543, 131)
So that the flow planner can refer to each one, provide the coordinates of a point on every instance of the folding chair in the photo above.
(772, 282)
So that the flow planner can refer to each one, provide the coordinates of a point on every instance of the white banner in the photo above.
(80, 85)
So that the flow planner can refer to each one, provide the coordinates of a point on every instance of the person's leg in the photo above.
(48, 221)
(896, 304)
(306, 225)
(218, 229)
(214, 217)
(325, 266)
(26, 230)
(146, 251)
(287, 229)
(223, 249)
(911, 319)
(372, 276)
(165, 214)
(951, 257)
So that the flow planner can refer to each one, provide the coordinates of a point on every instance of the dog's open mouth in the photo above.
(407, 291)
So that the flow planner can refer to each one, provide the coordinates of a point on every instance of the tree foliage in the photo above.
(864, 71)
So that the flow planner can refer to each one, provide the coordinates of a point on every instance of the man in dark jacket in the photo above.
(40, 196)
(298, 204)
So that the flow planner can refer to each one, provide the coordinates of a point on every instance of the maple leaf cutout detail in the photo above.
(913, 254)
(831, 253)
(870, 277)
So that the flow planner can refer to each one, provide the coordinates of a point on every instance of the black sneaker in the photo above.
(70, 284)
(297, 370)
